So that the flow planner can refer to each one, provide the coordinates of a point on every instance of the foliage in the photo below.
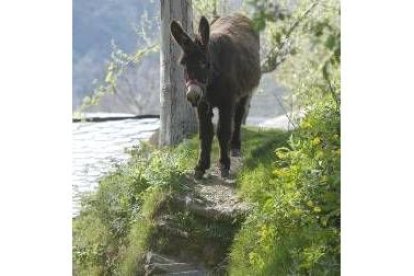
(287, 28)
(207, 8)
(312, 73)
(295, 227)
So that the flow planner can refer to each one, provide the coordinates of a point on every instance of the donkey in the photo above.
(221, 69)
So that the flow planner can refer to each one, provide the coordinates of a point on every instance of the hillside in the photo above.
(95, 25)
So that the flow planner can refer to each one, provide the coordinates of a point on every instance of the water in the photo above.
(97, 147)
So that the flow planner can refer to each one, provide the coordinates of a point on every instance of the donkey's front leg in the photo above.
(206, 133)
(224, 130)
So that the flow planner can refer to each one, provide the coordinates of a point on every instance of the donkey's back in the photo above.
(234, 50)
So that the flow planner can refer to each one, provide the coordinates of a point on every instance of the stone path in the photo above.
(195, 227)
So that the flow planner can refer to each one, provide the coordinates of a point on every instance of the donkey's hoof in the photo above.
(198, 174)
(224, 171)
(235, 152)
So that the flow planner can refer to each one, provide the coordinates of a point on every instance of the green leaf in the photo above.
(330, 42)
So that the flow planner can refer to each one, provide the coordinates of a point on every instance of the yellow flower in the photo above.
(316, 141)
(317, 209)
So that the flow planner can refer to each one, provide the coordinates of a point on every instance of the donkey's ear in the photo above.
(180, 35)
(204, 30)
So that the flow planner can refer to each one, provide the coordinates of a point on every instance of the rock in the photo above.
(158, 264)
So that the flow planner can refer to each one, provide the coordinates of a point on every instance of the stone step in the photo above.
(210, 209)
(165, 225)
(213, 230)
(195, 241)
(158, 264)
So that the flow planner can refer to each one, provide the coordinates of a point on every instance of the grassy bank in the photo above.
(112, 231)
(291, 179)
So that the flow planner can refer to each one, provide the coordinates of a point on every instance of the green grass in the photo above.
(258, 159)
(138, 237)
(112, 232)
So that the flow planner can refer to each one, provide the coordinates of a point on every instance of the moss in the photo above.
(140, 233)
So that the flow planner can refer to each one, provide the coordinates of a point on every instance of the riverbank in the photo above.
(99, 147)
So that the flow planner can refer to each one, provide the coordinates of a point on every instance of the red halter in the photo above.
(189, 81)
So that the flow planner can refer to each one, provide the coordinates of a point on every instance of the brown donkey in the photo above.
(221, 69)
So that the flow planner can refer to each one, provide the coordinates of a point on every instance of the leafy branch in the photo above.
(120, 62)
(280, 53)
(327, 77)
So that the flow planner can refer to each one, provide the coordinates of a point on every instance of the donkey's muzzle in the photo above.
(194, 94)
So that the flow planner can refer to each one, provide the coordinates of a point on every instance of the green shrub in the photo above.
(295, 228)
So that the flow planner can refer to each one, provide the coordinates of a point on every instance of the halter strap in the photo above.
(190, 82)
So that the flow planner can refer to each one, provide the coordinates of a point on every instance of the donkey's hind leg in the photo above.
(238, 119)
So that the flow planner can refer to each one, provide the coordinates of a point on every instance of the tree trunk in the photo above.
(177, 117)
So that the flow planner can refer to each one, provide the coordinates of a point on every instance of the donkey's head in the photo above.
(194, 59)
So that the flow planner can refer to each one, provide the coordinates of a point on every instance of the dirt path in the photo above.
(195, 227)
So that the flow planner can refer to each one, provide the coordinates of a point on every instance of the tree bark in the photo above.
(177, 117)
